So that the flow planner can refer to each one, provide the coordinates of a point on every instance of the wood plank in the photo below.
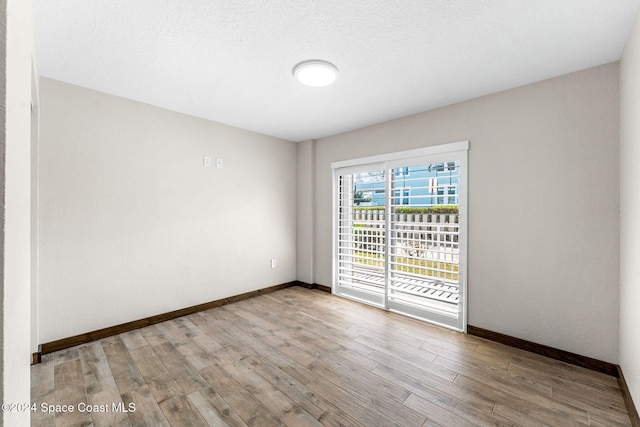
(133, 339)
(69, 391)
(215, 414)
(284, 409)
(370, 395)
(436, 413)
(124, 370)
(144, 410)
(179, 369)
(417, 386)
(314, 404)
(106, 398)
(95, 368)
(179, 412)
(42, 379)
(413, 368)
(361, 412)
(304, 357)
(276, 368)
(248, 408)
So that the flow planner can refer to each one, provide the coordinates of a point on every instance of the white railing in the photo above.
(419, 241)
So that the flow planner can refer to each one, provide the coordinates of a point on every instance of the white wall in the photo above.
(304, 212)
(630, 213)
(130, 222)
(35, 132)
(16, 53)
(543, 205)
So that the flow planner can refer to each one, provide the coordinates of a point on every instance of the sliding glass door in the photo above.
(361, 226)
(400, 241)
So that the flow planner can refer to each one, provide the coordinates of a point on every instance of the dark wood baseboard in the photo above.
(36, 358)
(628, 400)
(553, 353)
(322, 287)
(63, 343)
(314, 286)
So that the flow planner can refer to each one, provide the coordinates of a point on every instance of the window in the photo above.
(401, 196)
(402, 171)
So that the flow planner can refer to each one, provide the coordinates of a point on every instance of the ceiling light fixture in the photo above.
(315, 73)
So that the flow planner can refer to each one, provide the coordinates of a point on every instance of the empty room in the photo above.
(382, 213)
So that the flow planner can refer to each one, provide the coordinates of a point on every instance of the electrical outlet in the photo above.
(219, 163)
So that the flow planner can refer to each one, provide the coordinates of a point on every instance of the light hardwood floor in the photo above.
(298, 357)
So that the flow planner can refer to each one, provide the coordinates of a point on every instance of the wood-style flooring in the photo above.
(300, 357)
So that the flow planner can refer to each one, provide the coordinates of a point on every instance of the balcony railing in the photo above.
(423, 254)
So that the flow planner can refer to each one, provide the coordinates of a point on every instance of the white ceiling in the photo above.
(231, 61)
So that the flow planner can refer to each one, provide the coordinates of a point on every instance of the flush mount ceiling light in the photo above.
(315, 73)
